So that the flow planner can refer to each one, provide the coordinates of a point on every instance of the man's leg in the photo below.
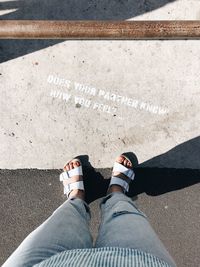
(123, 225)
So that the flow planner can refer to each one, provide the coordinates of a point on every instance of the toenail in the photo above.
(120, 159)
(71, 165)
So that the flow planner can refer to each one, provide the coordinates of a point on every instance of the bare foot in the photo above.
(75, 192)
(117, 188)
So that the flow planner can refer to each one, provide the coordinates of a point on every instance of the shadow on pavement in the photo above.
(66, 10)
(183, 171)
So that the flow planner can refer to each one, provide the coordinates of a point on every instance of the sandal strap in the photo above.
(119, 181)
(122, 169)
(72, 180)
(69, 187)
(68, 174)
(122, 176)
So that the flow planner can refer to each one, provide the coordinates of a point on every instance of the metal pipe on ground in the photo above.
(100, 30)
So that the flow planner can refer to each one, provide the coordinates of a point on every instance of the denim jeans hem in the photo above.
(86, 206)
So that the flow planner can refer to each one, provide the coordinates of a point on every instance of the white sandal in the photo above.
(122, 175)
(72, 179)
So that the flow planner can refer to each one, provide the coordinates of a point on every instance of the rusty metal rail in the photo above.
(127, 30)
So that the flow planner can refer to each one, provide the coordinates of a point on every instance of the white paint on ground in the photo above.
(38, 130)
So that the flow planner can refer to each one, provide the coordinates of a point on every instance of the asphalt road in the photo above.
(28, 197)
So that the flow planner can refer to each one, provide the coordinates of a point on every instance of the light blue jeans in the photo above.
(122, 225)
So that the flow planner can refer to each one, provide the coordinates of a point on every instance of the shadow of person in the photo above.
(173, 170)
(176, 169)
(66, 10)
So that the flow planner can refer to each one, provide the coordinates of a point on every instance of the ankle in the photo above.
(77, 193)
(115, 188)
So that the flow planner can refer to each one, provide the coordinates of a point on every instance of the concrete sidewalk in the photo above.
(106, 96)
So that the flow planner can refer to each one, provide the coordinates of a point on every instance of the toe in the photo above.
(120, 159)
(129, 164)
(125, 162)
(71, 166)
(76, 164)
(66, 167)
